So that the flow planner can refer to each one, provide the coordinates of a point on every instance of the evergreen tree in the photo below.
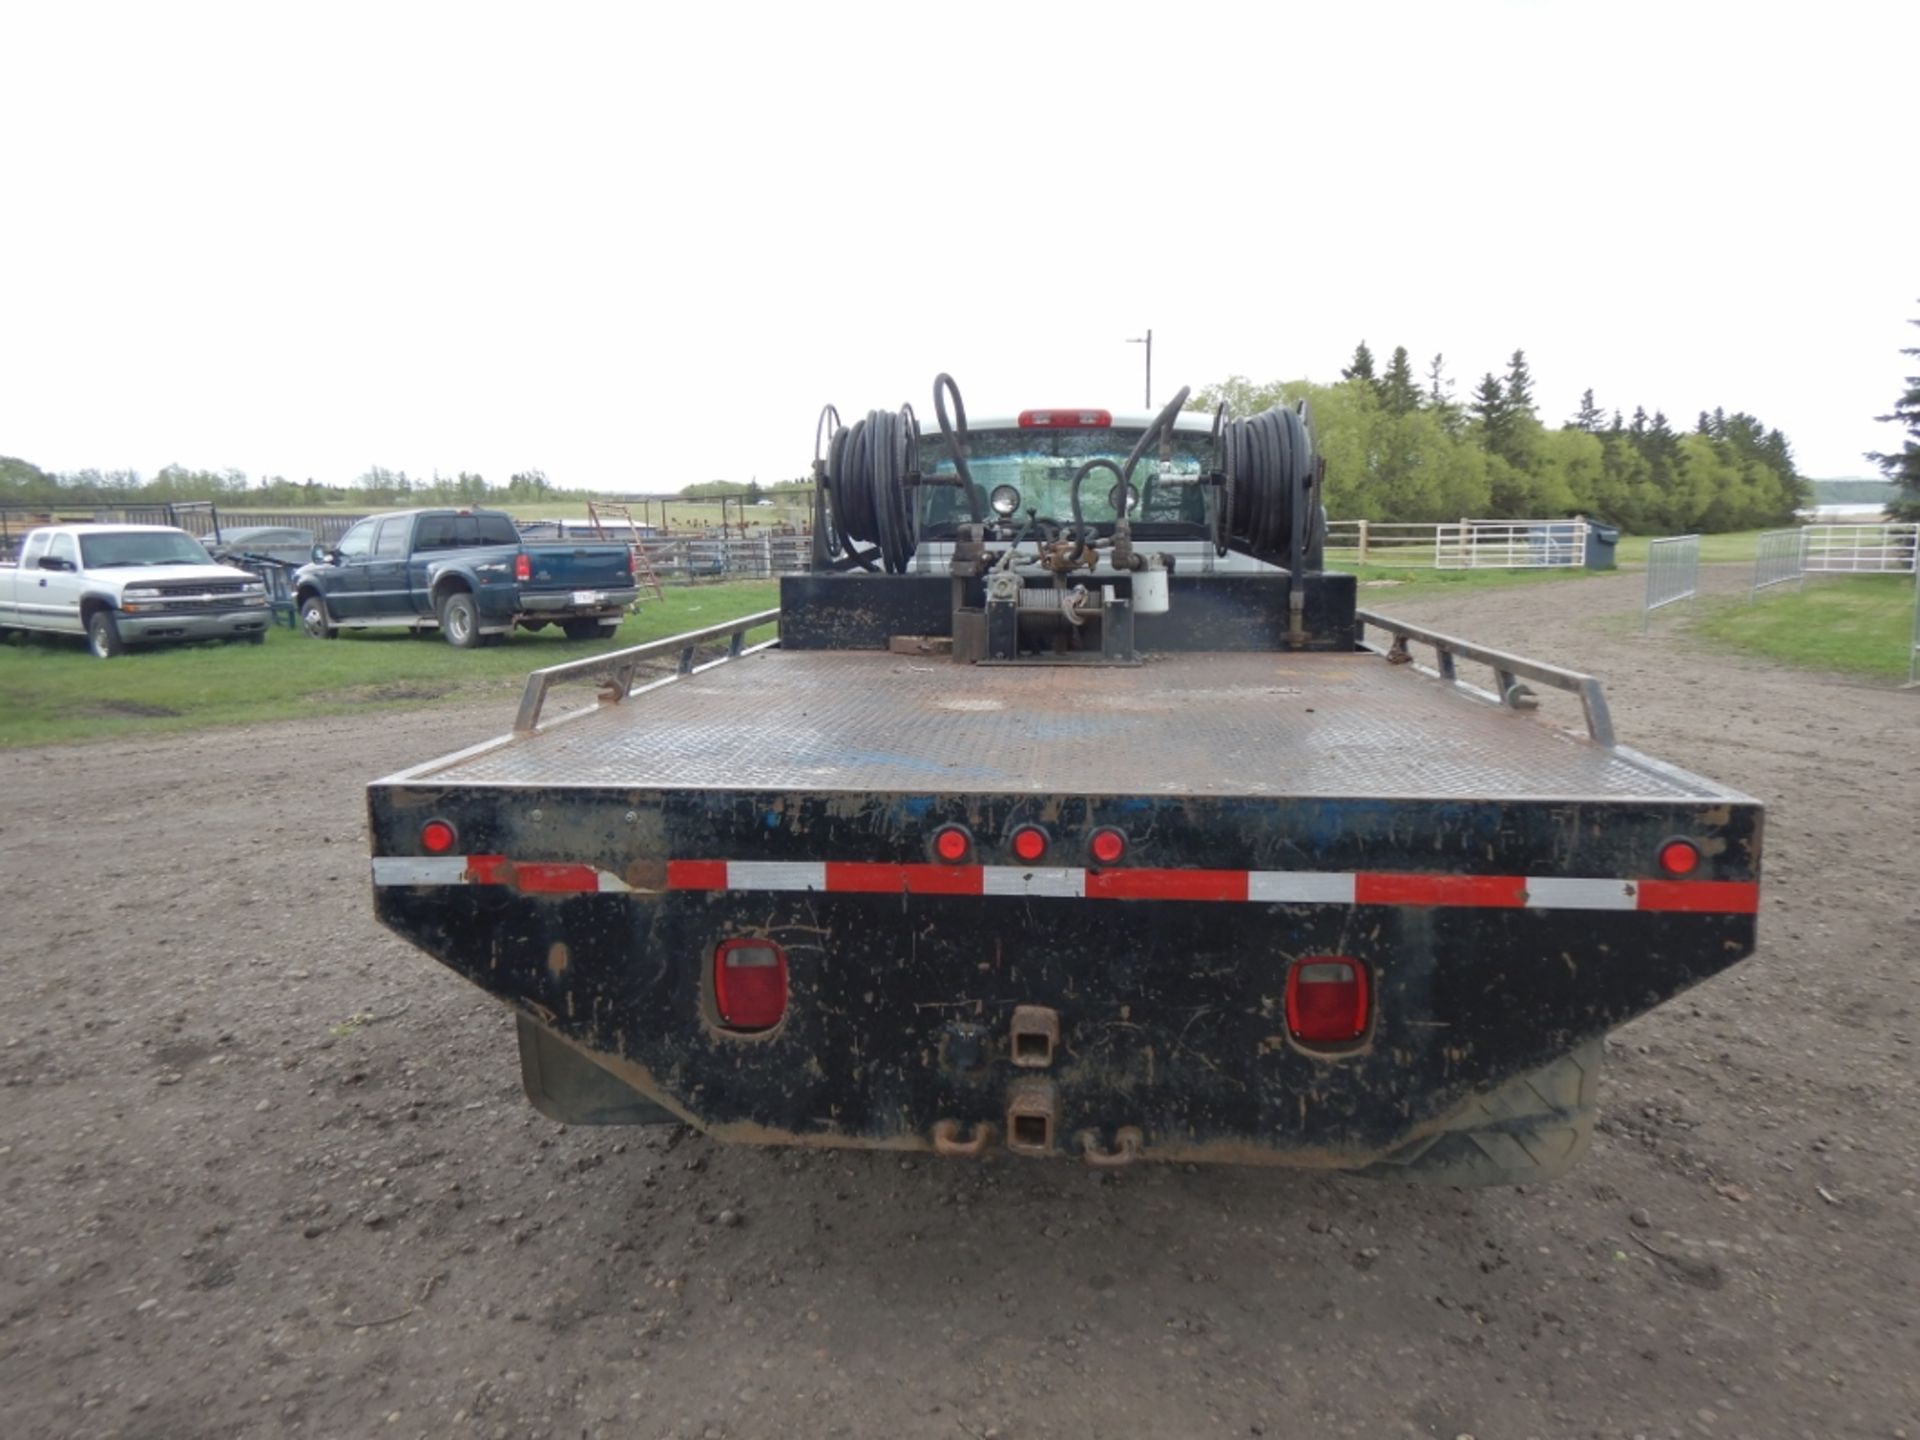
(1440, 396)
(1495, 418)
(1361, 366)
(1588, 416)
(1519, 385)
(1903, 466)
(1398, 390)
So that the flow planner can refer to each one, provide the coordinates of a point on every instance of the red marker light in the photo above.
(437, 837)
(1066, 419)
(1327, 1000)
(1679, 857)
(750, 984)
(1029, 843)
(951, 843)
(1108, 847)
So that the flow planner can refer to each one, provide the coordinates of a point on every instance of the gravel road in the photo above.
(266, 1171)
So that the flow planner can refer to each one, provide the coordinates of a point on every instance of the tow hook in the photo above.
(947, 1141)
(1127, 1144)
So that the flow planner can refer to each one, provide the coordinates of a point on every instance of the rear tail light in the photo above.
(437, 837)
(1066, 419)
(1108, 847)
(1679, 857)
(1327, 1002)
(952, 843)
(1029, 843)
(523, 566)
(750, 984)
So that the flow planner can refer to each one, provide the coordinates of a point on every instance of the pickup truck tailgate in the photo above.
(578, 567)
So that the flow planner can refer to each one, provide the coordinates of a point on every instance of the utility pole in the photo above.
(1147, 340)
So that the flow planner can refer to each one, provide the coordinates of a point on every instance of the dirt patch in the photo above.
(266, 1171)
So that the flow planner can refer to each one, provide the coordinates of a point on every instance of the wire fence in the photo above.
(1673, 574)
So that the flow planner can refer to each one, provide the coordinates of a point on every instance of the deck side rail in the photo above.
(1509, 670)
(615, 670)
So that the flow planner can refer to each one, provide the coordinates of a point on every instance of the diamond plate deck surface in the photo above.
(1208, 724)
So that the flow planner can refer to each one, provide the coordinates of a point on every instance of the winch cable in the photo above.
(954, 431)
(867, 465)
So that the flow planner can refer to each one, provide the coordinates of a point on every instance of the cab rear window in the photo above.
(458, 532)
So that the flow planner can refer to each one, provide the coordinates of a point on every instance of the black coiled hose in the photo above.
(867, 463)
(1269, 464)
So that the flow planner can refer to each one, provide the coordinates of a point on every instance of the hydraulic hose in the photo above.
(954, 432)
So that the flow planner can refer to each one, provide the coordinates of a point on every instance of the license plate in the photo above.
(586, 597)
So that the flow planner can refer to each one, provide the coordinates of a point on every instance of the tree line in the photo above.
(1400, 446)
(23, 483)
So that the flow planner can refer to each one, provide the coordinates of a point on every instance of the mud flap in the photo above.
(1532, 1128)
(565, 1085)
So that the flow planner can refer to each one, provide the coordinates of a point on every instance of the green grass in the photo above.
(58, 692)
(1856, 624)
(1731, 548)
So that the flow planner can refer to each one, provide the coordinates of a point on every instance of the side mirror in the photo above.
(53, 562)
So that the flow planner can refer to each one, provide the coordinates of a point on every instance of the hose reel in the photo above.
(862, 480)
(1271, 473)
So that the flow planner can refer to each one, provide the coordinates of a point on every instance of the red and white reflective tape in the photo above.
(1268, 887)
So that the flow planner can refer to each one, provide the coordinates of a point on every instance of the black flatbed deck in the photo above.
(1208, 723)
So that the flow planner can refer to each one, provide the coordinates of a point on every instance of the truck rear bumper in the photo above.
(1496, 938)
(568, 603)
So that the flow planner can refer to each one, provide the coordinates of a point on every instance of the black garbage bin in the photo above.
(1601, 540)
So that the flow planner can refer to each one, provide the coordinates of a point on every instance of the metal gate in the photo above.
(1673, 573)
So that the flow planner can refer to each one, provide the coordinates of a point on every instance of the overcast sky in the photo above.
(638, 247)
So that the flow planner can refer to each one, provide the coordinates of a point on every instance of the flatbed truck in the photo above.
(1041, 836)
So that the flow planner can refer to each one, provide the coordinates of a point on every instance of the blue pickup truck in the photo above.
(465, 572)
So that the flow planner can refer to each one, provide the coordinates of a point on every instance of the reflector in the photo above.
(1679, 857)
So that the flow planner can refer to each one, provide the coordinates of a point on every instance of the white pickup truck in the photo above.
(121, 585)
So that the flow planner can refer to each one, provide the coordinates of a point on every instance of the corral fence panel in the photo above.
(1779, 558)
(1673, 573)
(1861, 549)
(1463, 545)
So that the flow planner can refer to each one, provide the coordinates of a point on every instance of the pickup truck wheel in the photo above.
(460, 621)
(314, 619)
(1530, 1129)
(581, 629)
(103, 635)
